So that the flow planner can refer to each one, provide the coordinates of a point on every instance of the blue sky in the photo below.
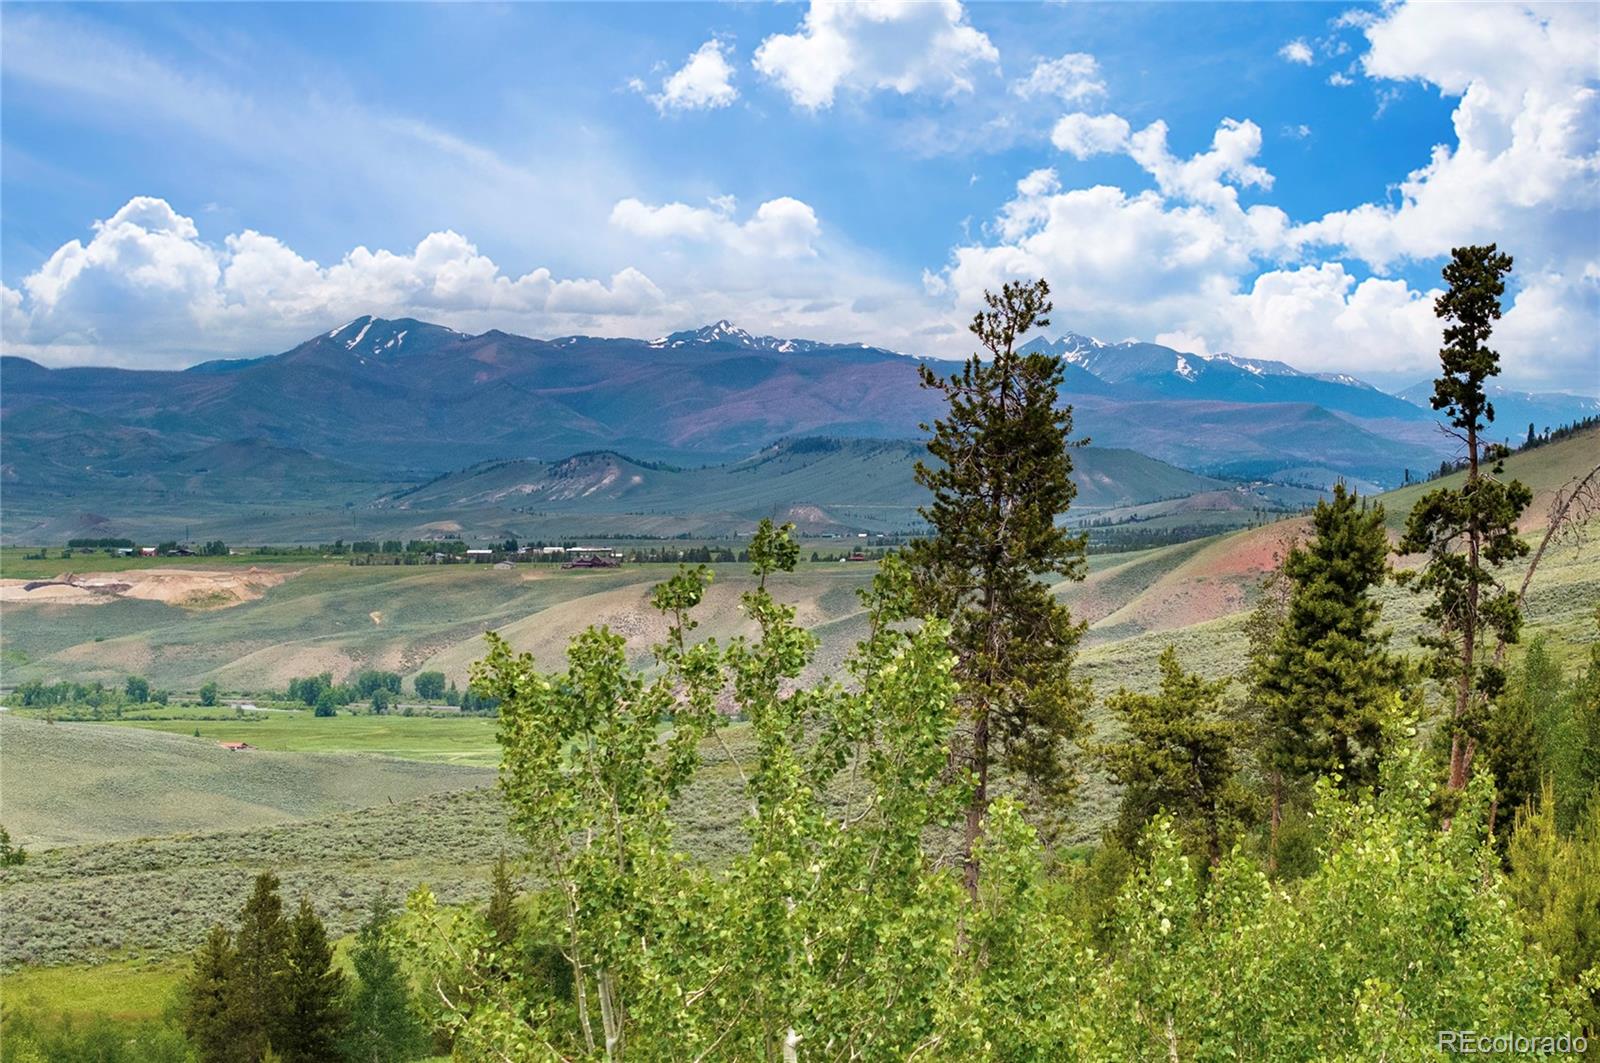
(180, 182)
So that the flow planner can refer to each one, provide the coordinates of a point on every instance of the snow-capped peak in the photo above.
(1072, 347)
(1255, 366)
(726, 332)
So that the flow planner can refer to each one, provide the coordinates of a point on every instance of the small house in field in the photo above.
(147, 551)
(235, 747)
(480, 555)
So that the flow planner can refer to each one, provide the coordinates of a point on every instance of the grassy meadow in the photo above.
(467, 740)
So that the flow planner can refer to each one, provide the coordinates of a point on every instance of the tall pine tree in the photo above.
(208, 1001)
(1000, 481)
(260, 960)
(1328, 673)
(1465, 534)
(314, 1016)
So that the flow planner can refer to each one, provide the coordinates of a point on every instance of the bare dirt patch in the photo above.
(1213, 583)
(184, 587)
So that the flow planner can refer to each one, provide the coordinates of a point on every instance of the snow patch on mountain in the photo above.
(352, 344)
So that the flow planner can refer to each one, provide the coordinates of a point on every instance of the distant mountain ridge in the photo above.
(1153, 371)
(400, 400)
(1514, 410)
(823, 473)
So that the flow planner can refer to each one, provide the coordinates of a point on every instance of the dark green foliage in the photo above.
(429, 685)
(1466, 534)
(1511, 753)
(137, 689)
(369, 682)
(311, 688)
(1546, 730)
(208, 694)
(313, 1010)
(273, 985)
(11, 855)
(1471, 306)
(209, 1001)
(1179, 756)
(1326, 675)
(326, 703)
(1000, 479)
(257, 981)
(1585, 740)
(384, 1024)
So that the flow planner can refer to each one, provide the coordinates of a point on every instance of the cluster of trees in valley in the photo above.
(380, 692)
(1336, 853)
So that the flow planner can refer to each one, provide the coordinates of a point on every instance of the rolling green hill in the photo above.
(819, 483)
(255, 491)
(67, 784)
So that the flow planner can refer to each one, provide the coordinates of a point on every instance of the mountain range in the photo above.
(377, 403)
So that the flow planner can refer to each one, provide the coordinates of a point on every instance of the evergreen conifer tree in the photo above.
(1467, 533)
(261, 952)
(1328, 673)
(1000, 481)
(314, 1016)
(1261, 730)
(1178, 756)
(208, 1001)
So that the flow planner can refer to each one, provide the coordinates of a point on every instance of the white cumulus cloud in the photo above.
(783, 227)
(904, 46)
(703, 83)
(1296, 51)
(1075, 77)
(147, 289)
(1082, 135)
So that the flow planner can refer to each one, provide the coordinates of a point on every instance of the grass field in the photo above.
(144, 898)
(119, 989)
(72, 783)
(16, 564)
(465, 740)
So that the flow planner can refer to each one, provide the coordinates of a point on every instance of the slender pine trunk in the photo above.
(1460, 753)
(1277, 820)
